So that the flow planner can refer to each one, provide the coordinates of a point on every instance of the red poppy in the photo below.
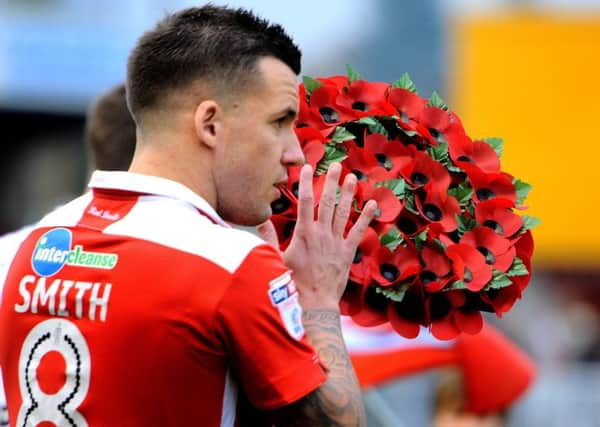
(502, 300)
(410, 224)
(366, 99)
(440, 124)
(497, 215)
(363, 258)
(463, 150)
(388, 154)
(312, 143)
(408, 104)
(407, 316)
(499, 253)
(447, 320)
(372, 310)
(436, 268)
(388, 205)
(323, 104)
(363, 164)
(439, 208)
(421, 170)
(487, 186)
(389, 268)
(469, 266)
(524, 248)
(339, 82)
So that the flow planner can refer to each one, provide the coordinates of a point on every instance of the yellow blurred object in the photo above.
(534, 80)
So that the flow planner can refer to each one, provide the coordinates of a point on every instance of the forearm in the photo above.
(339, 401)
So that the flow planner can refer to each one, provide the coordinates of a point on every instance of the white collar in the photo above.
(155, 185)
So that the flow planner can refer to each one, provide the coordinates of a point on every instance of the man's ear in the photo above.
(208, 122)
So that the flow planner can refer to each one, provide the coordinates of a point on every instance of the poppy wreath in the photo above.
(446, 242)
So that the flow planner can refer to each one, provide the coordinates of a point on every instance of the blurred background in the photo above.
(523, 70)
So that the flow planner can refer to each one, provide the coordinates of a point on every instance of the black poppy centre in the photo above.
(485, 194)
(389, 272)
(418, 178)
(464, 158)
(406, 225)
(384, 161)
(359, 175)
(427, 276)
(280, 205)
(329, 115)
(490, 258)
(360, 106)
(432, 212)
(358, 256)
(494, 226)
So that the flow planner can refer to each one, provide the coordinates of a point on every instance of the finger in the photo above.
(267, 232)
(327, 202)
(359, 228)
(306, 203)
(342, 211)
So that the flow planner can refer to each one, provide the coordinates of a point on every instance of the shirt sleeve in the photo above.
(260, 321)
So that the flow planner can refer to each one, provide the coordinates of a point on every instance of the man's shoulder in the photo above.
(180, 226)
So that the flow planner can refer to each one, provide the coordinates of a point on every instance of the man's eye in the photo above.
(281, 121)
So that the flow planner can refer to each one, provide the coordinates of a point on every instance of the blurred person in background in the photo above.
(217, 120)
(483, 375)
(109, 141)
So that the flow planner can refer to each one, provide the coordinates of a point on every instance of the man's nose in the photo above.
(292, 154)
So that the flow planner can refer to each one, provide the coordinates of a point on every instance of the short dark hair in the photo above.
(217, 44)
(110, 131)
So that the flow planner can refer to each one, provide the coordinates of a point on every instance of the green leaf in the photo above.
(439, 244)
(311, 84)
(353, 75)
(522, 189)
(465, 224)
(529, 222)
(454, 168)
(405, 82)
(398, 186)
(392, 239)
(439, 152)
(459, 284)
(395, 293)
(378, 127)
(436, 101)
(499, 281)
(369, 121)
(410, 204)
(342, 134)
(410, 133)
(517, 268)
(496, 143)
(332, 154)
(463, 193)
(420, 239)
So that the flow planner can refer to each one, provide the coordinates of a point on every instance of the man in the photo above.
(110, 142)
(141, 286)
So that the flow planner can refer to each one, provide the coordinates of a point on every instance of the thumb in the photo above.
(266, 230)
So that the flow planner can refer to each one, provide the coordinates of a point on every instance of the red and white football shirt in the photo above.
(136, 305)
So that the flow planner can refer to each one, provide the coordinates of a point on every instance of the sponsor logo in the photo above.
(283, 295)
(53, 250)
(279, 295)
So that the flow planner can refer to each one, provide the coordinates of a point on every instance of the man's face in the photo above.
(259, 144)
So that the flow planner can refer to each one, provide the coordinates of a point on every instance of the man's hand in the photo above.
(319, 255)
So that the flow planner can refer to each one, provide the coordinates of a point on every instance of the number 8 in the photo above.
(60, 408)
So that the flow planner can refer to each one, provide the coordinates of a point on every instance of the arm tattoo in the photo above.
(338, 402)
